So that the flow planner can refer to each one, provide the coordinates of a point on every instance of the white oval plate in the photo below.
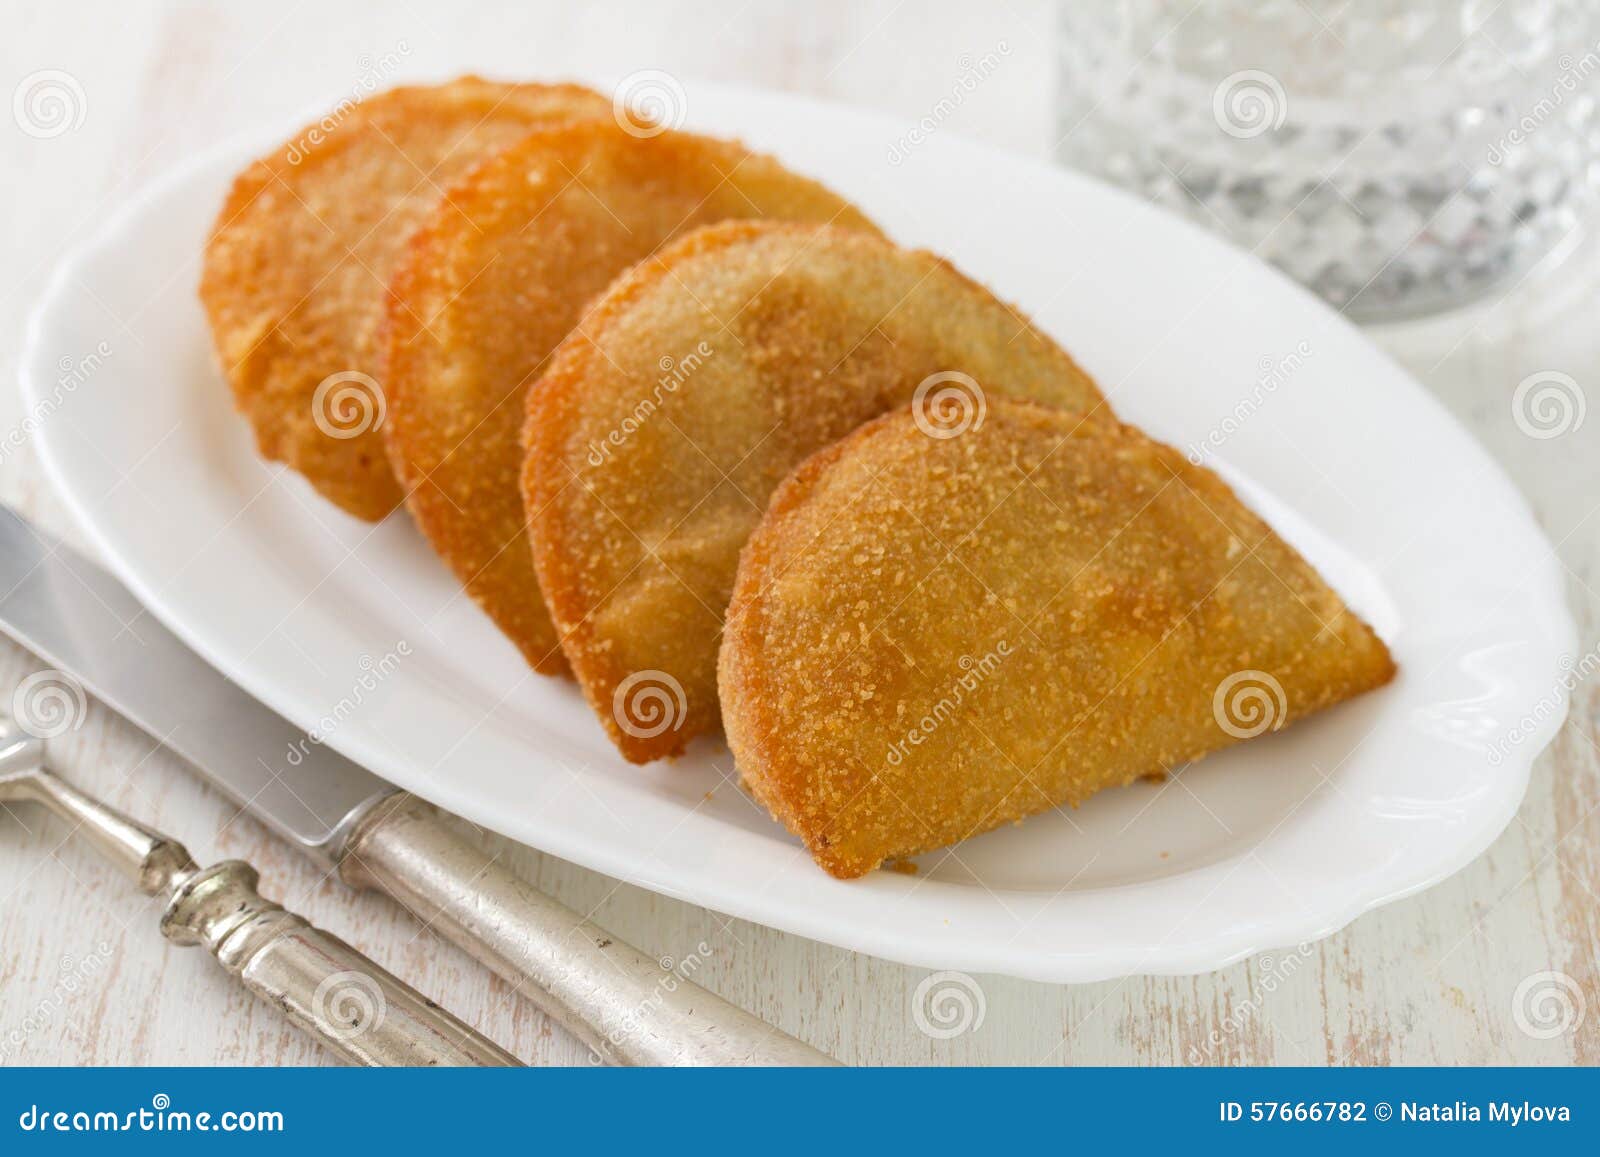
(1278, 841)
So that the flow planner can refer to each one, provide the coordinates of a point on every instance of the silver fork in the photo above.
(363, 1012)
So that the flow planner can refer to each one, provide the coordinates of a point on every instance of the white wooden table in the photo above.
(1429, 980)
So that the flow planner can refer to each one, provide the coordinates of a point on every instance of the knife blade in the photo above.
(626, 1006)
(80, 619)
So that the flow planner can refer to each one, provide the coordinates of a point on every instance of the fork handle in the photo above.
(363, 1012)
(629, 1008)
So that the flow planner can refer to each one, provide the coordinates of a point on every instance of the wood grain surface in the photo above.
(85, 977)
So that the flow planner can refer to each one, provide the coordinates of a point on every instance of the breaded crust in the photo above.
(932, 637)
(690, 390)
(296, 272)
(491, 285)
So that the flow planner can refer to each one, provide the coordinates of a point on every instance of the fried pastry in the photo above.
(690, 390)
(932, 637)
(494, 282)
(296, 273)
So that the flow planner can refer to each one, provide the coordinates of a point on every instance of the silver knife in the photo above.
(613, 997)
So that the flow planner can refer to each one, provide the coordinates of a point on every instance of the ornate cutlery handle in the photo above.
(625, 1005)
(361, 1011)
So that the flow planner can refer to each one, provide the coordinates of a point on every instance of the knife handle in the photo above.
(363, 1012)
(628, 1007)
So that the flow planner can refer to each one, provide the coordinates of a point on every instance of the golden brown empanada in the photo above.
(491, 285)
(297, 270)
(690, 390)
(931, 636)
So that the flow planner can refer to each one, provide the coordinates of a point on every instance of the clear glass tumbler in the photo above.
(1396, 156)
